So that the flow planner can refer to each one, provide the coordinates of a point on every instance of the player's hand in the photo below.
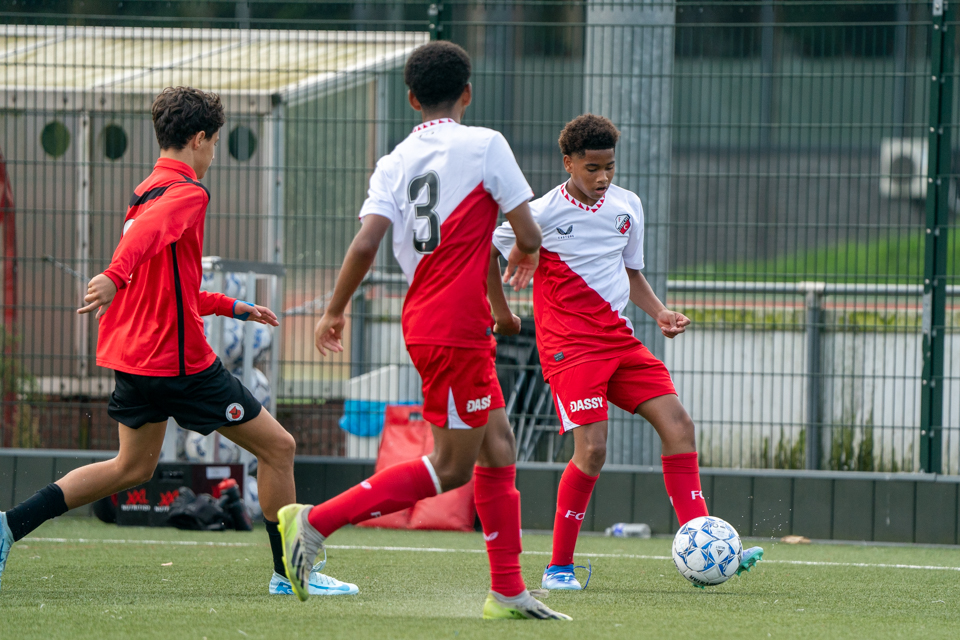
(100, 292)
(672, 323)
(258, 313)
(507, 326)
(329, 334)
(520, 268)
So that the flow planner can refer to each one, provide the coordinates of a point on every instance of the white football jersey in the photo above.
(581, 287)
(442, 188)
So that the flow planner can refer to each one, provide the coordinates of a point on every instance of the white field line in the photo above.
(177, 543)
(353, 547)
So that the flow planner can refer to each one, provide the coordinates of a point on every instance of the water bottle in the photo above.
(627, 530)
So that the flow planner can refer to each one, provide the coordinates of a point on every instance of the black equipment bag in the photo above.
(198, 512)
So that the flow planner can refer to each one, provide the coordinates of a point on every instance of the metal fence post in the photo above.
(814, 303)
(358, 330)
(935, 259)
(433, 16)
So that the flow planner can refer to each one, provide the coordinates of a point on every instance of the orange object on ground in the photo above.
(406, 436)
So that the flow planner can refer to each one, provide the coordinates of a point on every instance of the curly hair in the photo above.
(437, 73)
(179, 113)
(588, 132)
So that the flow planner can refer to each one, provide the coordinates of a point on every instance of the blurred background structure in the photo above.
(795, 160)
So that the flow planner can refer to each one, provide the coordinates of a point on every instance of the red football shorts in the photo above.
(581, 392)
(460, 386)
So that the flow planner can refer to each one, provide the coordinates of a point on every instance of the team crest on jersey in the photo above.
(565, 233)
(623, 223)
(235, 412)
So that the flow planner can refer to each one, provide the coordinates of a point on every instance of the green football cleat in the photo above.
(521, 607)
(301, 544)
(750, 558)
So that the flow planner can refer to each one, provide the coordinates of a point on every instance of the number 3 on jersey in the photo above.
(431, 181)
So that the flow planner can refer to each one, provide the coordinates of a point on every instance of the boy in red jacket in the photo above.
(149, 305)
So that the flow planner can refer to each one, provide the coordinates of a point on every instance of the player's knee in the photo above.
(137, 472)
(454, 477)
(287, 446)
(683, 432)
(595, 453)
(281, 450)
(687, 429)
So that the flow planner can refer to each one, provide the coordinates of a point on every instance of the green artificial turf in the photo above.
(890, 259)
(84, 587)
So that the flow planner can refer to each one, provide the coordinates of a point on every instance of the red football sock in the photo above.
(681, 475)
(498, 505)
(390, 490)
(573, 496)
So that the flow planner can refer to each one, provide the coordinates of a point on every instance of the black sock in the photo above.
(276, 546)
(35, 510)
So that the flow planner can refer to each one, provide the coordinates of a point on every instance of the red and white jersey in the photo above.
(581, 288)
(442, 188)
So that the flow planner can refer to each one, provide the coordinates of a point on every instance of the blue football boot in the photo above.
(750, 558)
(319, 584)
(562, 578)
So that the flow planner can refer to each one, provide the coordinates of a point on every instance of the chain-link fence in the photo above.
(800, 206)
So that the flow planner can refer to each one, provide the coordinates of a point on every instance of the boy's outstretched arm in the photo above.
(524, 256)
(525, 228)
(671, 323)
(507, 324)
(360, 256)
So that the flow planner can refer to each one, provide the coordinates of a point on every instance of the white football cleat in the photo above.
(319, 584)
(560, 578)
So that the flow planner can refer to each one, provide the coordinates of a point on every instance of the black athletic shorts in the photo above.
(202, 402)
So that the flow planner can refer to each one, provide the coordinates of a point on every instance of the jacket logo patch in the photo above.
(623, 223)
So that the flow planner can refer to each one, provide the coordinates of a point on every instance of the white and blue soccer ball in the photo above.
(261, 385)
(707, 551)
(234, 284)
(232, 342)
(227, 451)
(262, 339)
(251, 498)
(196, 447)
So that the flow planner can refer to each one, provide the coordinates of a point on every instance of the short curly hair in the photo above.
(588, 132)
(437, 73)
(179, 113)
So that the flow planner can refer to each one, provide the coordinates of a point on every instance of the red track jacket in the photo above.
(153, 325)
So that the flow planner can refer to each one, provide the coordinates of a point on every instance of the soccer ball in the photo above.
(233, 341)
(196, 447)
(261, 386)
(234, 285)
(262, 339)
(227, 451)
(707, 551)
(251, 499)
